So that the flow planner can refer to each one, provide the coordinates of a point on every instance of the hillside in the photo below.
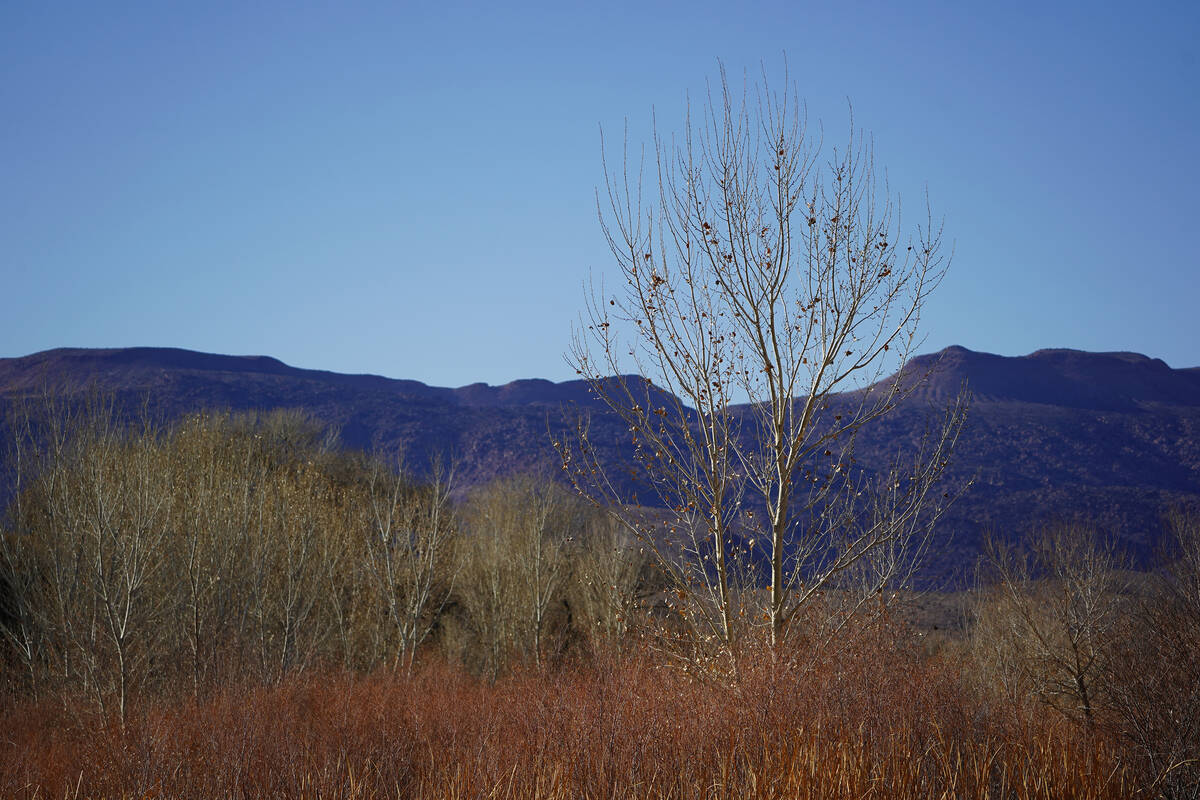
(1112, 436)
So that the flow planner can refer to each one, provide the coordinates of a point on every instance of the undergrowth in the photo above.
(879, 720)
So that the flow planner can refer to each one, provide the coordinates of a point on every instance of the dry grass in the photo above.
(878, 720)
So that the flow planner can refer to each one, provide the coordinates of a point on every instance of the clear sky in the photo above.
(408, 188)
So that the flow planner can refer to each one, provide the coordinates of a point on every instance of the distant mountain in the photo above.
(1114, 437)
(1066, 378)
(487, 430)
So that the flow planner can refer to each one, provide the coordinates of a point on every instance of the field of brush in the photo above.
(223, 609)
(880, 718)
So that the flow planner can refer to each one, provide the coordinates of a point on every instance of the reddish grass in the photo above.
(877, 722)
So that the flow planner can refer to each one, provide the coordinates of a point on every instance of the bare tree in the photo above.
(39, 571)
(518, 566)
(760, 280)
(20, 583)
(210, 469)
(540, 526)
(488, 593)
(92, 524)
(289, 526)
(132, 556)
(406, 551)
(1050, 615)
(1153, 673)
(609, 577)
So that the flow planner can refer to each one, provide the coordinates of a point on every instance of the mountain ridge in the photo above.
(1052, 376)
(1112, 437)
(1062, 377)
(34, 371)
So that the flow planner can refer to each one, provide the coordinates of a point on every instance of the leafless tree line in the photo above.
(139, 557)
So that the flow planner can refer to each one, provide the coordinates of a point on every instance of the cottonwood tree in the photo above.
(211, 457)
(39, 433)
(609, 580)
(406, 551)
(19, 626)
(518, 562)
(760, 275)
(133, 556)
(285, 517)
(287, 528)
(1051, 613)
(92, 523)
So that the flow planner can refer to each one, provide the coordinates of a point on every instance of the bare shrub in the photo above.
(892, 726)
(1045, 625)
(1154, 672)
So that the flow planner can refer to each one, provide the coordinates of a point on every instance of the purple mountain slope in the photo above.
(1066, 378)
(1114, 437)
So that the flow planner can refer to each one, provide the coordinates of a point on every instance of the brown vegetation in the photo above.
(893, 724)
(227, 607)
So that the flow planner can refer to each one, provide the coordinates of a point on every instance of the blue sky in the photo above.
(408, 188)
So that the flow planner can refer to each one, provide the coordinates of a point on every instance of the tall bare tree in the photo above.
(209, 462)
(760, 276)
(21, 590)
(91, 524)
(406, 550)
(518, 564)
